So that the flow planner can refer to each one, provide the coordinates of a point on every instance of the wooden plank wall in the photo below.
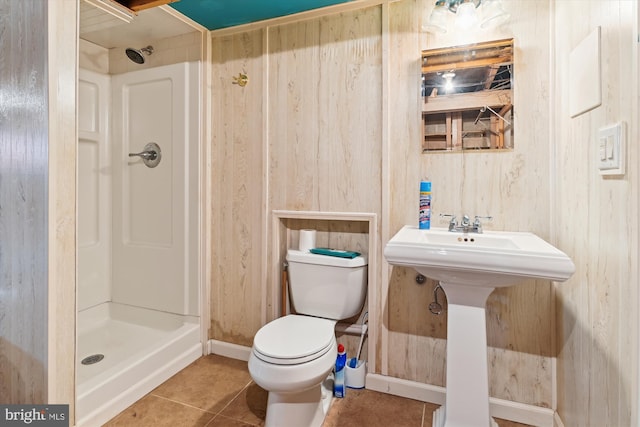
(37, 208)
(238, 222)
(37, 308)
(597, 221)
(330, 121)
(63, 137)
(512, 186)
(23, 203)
(297, 133)
(306, 134)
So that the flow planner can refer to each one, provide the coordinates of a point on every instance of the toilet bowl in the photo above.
(292, 356)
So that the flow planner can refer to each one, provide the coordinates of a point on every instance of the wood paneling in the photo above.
(93, 57)
(323, 145)
(307, 114)
(112, 27)
(138, 5)
(23, 203)
(37, 137)
(169, 50)
(597, 223)
(476, 184)
(327, 101)
(324, 98)
(63, 137)
(238, 221)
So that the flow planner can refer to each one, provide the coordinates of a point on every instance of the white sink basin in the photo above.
(492, 259)
(469, 266)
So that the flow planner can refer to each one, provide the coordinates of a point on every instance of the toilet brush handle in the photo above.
(362, 334)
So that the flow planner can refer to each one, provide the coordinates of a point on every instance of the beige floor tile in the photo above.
(222, 421)
(209, 383)
(373, 409)
(250, 406)
(158, 412)
(215, 391)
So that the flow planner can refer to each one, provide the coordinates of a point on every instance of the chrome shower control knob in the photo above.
(151, 155)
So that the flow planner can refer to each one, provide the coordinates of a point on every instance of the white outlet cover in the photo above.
(611, 140)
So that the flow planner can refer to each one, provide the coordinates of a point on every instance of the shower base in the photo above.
(142, 348)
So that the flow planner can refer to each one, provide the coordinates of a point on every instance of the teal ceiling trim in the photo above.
(216, 14)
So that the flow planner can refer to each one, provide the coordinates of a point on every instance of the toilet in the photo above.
(292, 356)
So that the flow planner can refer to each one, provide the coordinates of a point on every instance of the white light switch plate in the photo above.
(611, 149)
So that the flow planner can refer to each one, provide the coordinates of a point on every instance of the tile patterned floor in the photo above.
(215, 391)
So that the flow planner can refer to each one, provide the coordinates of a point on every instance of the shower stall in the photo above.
(138, 218)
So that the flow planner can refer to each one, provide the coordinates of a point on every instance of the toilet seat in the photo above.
(294, 339)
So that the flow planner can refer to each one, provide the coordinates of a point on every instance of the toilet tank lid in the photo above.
(309, 258)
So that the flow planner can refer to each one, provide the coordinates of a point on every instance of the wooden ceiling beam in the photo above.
(138, 5)
(465, 64)
(471, 56)
(491, 75)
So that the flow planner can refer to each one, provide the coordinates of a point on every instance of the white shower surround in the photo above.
(145, 221)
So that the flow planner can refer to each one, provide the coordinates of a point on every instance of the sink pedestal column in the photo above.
(467, 400)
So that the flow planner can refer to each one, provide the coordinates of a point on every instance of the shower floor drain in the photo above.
(94, 358)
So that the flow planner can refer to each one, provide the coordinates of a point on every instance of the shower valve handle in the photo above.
(146, 155)
(151, 155)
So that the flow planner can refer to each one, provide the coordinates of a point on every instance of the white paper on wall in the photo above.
(585, 80)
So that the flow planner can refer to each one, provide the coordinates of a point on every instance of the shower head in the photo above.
(136, 55)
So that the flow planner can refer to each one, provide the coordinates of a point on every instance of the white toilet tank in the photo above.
(327, 286)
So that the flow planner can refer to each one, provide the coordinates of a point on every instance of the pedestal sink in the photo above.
(469, 267)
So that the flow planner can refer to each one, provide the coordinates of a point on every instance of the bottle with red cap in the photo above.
(338, 382)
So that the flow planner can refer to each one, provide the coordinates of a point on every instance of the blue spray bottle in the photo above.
(424, 221)
(339, 387)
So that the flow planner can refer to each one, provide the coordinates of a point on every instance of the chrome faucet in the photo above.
(465, 225)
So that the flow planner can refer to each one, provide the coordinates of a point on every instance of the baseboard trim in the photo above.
(405, 388)
(505, 409)
(233, 351)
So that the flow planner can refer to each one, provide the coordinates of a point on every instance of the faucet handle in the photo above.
(453, 217)
(478, 218)
(452, 221)
(477, 224)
